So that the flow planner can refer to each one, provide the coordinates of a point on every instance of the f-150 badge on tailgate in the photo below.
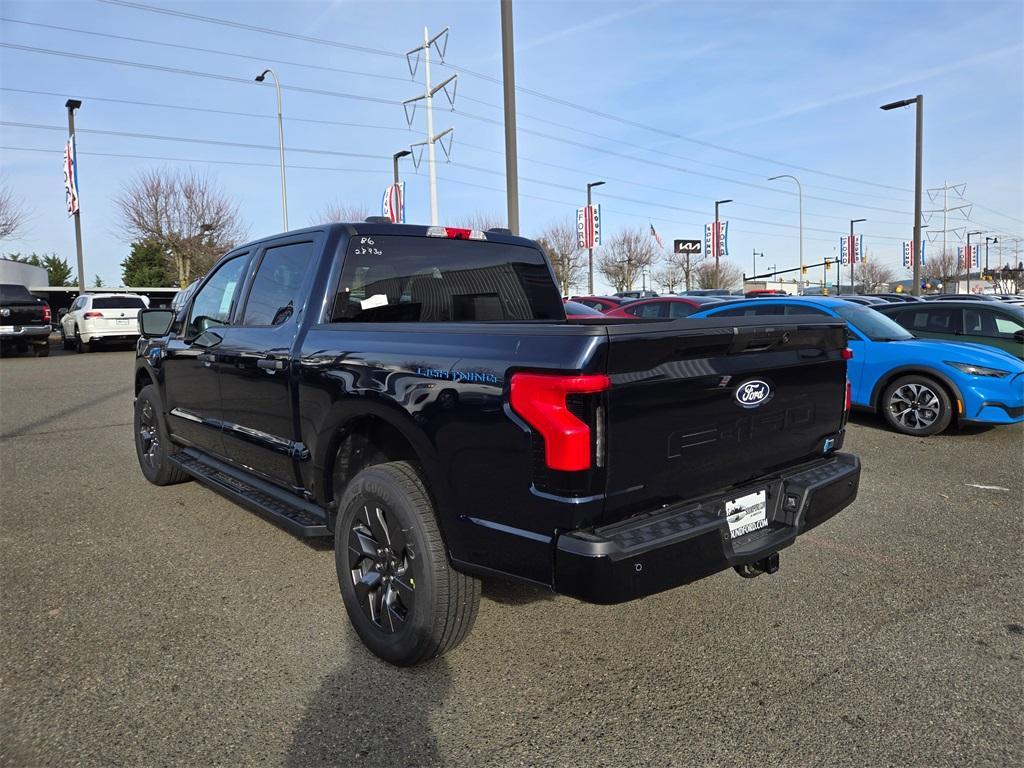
(751, 394)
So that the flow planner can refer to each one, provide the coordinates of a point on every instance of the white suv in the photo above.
(95, 317)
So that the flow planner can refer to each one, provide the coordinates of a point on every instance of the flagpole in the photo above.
(72, 105)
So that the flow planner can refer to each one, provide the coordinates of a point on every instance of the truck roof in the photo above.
(407, 230)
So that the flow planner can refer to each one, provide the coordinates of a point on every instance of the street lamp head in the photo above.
(898, 104)
(854, 221)
(595, 184)
(403, 153)
(262, 76)
(721, 202)
(72, 103)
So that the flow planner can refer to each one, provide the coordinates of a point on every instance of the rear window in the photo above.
(118, 302)
(400, 279)
(10, 293)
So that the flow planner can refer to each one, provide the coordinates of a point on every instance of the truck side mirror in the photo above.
(155, 322)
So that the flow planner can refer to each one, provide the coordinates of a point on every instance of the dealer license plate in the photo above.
(747, 514)
(6, 329)
(123, 322)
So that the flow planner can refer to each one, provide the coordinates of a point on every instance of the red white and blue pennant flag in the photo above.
(967, 256)
(851, 249)
(908, 247)
(71, 176)
(393, 204)
(716, 239)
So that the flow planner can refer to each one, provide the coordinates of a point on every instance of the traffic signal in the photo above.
(828, 263)
(803, 270)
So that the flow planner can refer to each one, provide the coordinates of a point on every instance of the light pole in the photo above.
(716, 240)
(916, 259)
(851, 252)
(800, 193)
(968, 259)
(280, 141)
(590, 251)
(395, 157)
(508, 69)
(753, 262)
(987, 241)
(72, 105)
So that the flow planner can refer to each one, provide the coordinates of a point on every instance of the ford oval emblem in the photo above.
(751, 394)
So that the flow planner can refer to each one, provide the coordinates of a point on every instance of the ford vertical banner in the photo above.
(588, 226)
(393, 204)
(908, 247)
(716, 239)
(71, 176)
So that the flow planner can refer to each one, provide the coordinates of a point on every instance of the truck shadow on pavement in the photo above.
(371, 713)
(509, 592)
(877, 421)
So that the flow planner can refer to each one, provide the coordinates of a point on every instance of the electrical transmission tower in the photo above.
(933, 194)
(439, 43)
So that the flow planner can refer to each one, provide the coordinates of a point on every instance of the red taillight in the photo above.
(87, 315)
(540, 399)
(846, 354)
(456, 233)
(846, 406)
(46, 313)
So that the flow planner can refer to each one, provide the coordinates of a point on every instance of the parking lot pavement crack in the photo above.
(64, 412)
(16, 435)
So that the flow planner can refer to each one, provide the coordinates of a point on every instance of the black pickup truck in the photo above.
(25, 320)
(418, 394)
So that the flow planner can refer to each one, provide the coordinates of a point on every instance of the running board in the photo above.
(295, 515)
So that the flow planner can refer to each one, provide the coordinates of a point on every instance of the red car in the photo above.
(663, 307)
(576, 309)
(601, 303)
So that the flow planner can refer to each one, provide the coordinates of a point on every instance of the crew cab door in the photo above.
(191, 388)
(254, 361)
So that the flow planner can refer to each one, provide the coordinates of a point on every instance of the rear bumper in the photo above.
(668, 548)
(27, 333)
(113, 336)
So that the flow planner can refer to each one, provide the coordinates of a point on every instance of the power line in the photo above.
(210, 110)
(191, 72)
(190, 140)
(491, 79)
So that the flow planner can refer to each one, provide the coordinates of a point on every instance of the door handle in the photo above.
(270, 365)
(206, 357)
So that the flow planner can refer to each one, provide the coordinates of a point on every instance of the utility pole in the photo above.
(945, 210)
(509, 81)
(915, 257)
(428, 97)
(753, 262)
(72, 105)
(987, 241)
(800, 194)
(851, 251)
(395, 158)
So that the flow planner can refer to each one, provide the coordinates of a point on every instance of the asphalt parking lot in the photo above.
(146, 627)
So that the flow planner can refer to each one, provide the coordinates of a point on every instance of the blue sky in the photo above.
(700, 101)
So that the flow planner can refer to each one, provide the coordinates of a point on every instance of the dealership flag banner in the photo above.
(716, 239)
(908, 247)
(71, 176)
(393, 204)
(967, 255)
(588, 226)
(851, 249)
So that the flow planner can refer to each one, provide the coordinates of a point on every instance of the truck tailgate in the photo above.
(702, 405)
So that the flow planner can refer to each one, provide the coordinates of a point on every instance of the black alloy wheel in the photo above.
(380, 565)
(152, 443)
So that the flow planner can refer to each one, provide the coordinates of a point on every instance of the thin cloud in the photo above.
(917, 77)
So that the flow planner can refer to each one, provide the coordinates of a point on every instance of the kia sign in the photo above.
(688, 247)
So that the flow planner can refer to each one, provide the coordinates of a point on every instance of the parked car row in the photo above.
(920, 365)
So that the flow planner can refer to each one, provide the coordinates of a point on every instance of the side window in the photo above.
(680, 309)
(793, 309)
(1006, 326)
(276, 289)
(652, 310)
(745, 310)
(215, 300)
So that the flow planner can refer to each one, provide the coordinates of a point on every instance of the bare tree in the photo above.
(187, 214)
(873, 275)
(13, 215)
(728, 275)
(624, 258)
(340, 211)
(941, 267)
(671, 277)
(482, 220)
(562, 246)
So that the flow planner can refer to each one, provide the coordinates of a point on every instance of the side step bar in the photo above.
(295, 515)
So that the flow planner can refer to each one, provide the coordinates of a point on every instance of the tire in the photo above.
(81, 347)
(917, 405)
(406, 603)
(42, 350)
(152, 443)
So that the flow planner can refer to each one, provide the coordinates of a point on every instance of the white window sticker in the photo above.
(377, 300)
